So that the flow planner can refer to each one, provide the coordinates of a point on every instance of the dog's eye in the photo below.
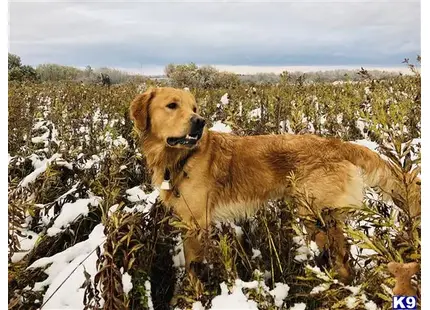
(172, 105)
(194, 109)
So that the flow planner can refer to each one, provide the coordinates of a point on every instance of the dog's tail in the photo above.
(382, 174)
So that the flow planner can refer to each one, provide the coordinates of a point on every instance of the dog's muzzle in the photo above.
(197, 125)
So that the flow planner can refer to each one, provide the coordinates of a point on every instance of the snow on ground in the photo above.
(255, 253)
(361, 255)
(40, 139)
(197, 306)
(235, 299)
(310, 127)
(89, 163)
(47, 215)
(81, 257)
(221, 127)
(353, 289)
(40, 167)
(39, 124)
(65, 270)
(237, 229)
(367, 143)
(71, 262)
(305, 252)
(320, 288)
(318, 273)
(299, 306)
(361, 124)
(370, 305)
(351, 302)
(136, 194)
(70, 212)
(50, 133)
(112, 209)
(127, 286)
(179, 258)
(27, 243)
(224, 99)
(148, 295)
(374, 146)
(279, 293)
(120, 141)
(285, 127)
(255, 114)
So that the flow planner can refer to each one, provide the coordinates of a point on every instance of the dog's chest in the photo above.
(180, 188)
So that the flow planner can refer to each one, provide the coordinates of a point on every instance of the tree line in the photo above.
(178, 75)
(55, 73)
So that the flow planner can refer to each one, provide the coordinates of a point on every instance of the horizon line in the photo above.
(255, 69)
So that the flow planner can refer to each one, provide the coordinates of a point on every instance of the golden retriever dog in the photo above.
(205, 175)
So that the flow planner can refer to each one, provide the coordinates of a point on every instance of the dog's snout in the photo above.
(198, 121)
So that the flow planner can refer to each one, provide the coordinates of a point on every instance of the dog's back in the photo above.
(254, 169)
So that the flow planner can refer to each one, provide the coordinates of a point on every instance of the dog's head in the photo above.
(169, 115)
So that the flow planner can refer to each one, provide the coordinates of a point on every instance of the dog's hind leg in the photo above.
(333, 186)
(333, 247)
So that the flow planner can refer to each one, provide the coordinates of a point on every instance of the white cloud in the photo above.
(130, 34)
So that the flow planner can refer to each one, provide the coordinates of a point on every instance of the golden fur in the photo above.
(228, 176)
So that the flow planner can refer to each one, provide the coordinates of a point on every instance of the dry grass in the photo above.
(84, 121)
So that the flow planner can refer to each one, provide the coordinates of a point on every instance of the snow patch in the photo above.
(279, 293)
(235, 300)
(351, 302)
(220, 127)
(255, 114)
(320, 288)
(43, 138)
(179, 258)
(71, 262)
(305, 252)
(27, 242)
(70, 212)
(317, 271)
(256, 253)
(127, 285)
(197, 306)
(369, 144)
(354, 289)
(148, 294)
(136, 194)
(41, 168)
(370, 305)
(299, 306)
(224, 99)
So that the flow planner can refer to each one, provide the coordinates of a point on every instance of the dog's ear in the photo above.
(139, 109)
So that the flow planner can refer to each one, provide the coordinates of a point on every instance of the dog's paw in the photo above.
(323, 259)
(200, 270)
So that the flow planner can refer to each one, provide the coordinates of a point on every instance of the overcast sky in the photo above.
(140, 34)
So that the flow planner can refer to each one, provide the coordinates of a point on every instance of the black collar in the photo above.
(179, 166)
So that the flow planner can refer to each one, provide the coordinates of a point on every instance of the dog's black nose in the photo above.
(197, 122)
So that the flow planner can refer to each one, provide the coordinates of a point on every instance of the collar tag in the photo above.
(166, 185)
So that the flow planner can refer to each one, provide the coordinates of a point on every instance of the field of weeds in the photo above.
(86, 229)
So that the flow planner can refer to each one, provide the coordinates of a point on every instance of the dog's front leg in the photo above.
(193, 249)
(198, 222)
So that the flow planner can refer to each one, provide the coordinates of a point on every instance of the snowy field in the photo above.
(76, 180)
